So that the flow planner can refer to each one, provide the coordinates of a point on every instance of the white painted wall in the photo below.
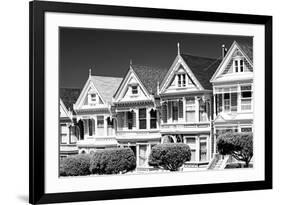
(14, 67)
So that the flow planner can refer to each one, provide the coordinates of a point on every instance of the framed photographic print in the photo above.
(130, 102)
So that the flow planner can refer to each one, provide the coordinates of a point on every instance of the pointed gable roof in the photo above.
(69, 96)
(106, 86)
(150, 76)
(202, 67)
(247, 49)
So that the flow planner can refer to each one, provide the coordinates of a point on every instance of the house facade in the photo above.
(93, 108)
(186, 105)
(136, 111)
(68, 138)
(233, 91)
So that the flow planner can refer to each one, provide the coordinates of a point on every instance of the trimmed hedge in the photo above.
(75, 165)
(170, 156)
(112, 161)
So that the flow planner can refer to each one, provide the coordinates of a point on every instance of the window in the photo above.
(93, 98)
(130, 120)
(153, 119)
(134, 89)
(64, 131)
(90, 127)
(175, 111)
(203, 149)
(183, 80)
(203, 115)
(100, 121)
(191, 142)
(226, 102)
(142, 118)
(246, 97)
(246, 129)
(179, 80)
(236, 66)
(190, 109)
(239, 65)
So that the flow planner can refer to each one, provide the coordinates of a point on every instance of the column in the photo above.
(184, 108)
(197, 148)
(96, 125)
(105, 126)
(239, 99)
(137, 154)
(196, 109)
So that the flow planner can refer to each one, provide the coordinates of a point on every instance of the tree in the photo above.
(170, 156)
(238, 145)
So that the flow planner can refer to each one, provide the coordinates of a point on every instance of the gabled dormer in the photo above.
(139, 84)
(237, 64)
(97, 92)
(188, 73)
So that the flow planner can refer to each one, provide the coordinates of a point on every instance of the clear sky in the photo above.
(108, 52)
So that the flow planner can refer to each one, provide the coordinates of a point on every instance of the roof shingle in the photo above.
(150, 76)
(247, 49)
(106, 86)
(202, 67)
(69, 96)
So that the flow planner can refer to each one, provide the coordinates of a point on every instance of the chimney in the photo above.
(224, 50)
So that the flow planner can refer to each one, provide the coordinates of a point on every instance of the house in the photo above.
(136, 106)
(186, 105)
(68, 139)
(97, 127)
(233, 91)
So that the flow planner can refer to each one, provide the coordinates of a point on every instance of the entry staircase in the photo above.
(219, 162)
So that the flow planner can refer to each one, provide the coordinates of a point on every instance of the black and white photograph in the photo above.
(140, 102)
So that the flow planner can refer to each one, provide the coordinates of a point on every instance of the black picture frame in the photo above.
(37, 10)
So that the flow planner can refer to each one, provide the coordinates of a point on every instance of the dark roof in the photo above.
(202, 67)
(150, 76)
(69, 96)
(106, 86)
(247, 49)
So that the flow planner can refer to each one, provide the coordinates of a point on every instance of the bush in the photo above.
(238, 145)
(169, 156)
(112, 161)
(75, 165)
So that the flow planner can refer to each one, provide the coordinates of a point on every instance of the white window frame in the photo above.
(248, 98)
(134, 90)
(189, 108)
(239, 65)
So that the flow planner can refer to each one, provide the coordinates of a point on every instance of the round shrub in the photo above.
(170, 156)
(112, 161)
(75, 165)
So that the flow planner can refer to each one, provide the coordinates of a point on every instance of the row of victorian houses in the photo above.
(192, 102)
